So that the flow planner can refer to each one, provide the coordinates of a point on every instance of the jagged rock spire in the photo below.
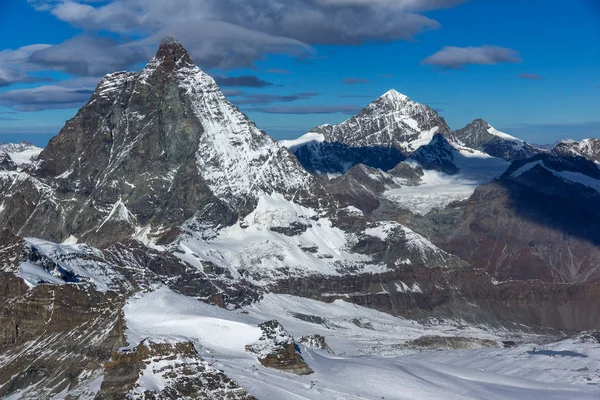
(172, 55)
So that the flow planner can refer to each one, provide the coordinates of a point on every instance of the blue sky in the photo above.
(531, 68)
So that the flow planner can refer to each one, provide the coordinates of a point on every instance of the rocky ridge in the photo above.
(391, 120)
(149, 152)
(535, 222)
(480, 135)
(160, 181)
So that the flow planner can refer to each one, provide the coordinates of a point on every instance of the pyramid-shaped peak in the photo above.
(394, 96)
(171, 51)
(170, 40)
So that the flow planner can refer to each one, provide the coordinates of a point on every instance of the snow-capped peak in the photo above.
(394, 96)
(493, 131)
(480, 135)
(392, 120)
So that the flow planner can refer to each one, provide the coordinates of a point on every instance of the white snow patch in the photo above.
(253, 250)
(503, 135)
(72, 260)
(359, 337)
(438, 189)
(21, 154)
(306, 138)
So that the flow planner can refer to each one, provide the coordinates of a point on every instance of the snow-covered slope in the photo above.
(470, 374)
(281, 240)
(586, 180)
(21, 153)
(450, 173)
(391, 120)
(304, 139)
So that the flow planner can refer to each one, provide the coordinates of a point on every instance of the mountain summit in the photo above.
(380, 136)
(148, 152)
(391, 120)
(480, 135)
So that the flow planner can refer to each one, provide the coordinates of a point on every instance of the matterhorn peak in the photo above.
(171, 55)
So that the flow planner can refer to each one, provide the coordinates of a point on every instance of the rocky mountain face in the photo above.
(160, 182)
(332, 159)
(480, 135)
(391, 120)
(6, 163)
(148, 152)
(438, 155)
(383, 134)
(588, 148)
(536, 222)
(363, 186)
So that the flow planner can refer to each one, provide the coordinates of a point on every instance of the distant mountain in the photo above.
(588, 148)
(434, 176)
(391, 120)
(480, 135)
(20, 153)
(379, 136)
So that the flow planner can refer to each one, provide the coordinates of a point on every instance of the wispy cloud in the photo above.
(533, 77)
(229, 34)
(457, 57)
(241, 81)
(45, 98)
(232, 92)
(313, 109)
(254, 99)
(356, 81)
(357, 96)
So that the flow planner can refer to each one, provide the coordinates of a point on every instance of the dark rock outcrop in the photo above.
(315, 342)
(437, 155)
(362, 186)
(452, 343)
(322, 158)
(277, 349)
(184, 373)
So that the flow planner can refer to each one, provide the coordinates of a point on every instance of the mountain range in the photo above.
(161, 228)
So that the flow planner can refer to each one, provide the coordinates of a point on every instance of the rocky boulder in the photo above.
(276, 349)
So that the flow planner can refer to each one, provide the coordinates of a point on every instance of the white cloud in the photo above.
(458, 57)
